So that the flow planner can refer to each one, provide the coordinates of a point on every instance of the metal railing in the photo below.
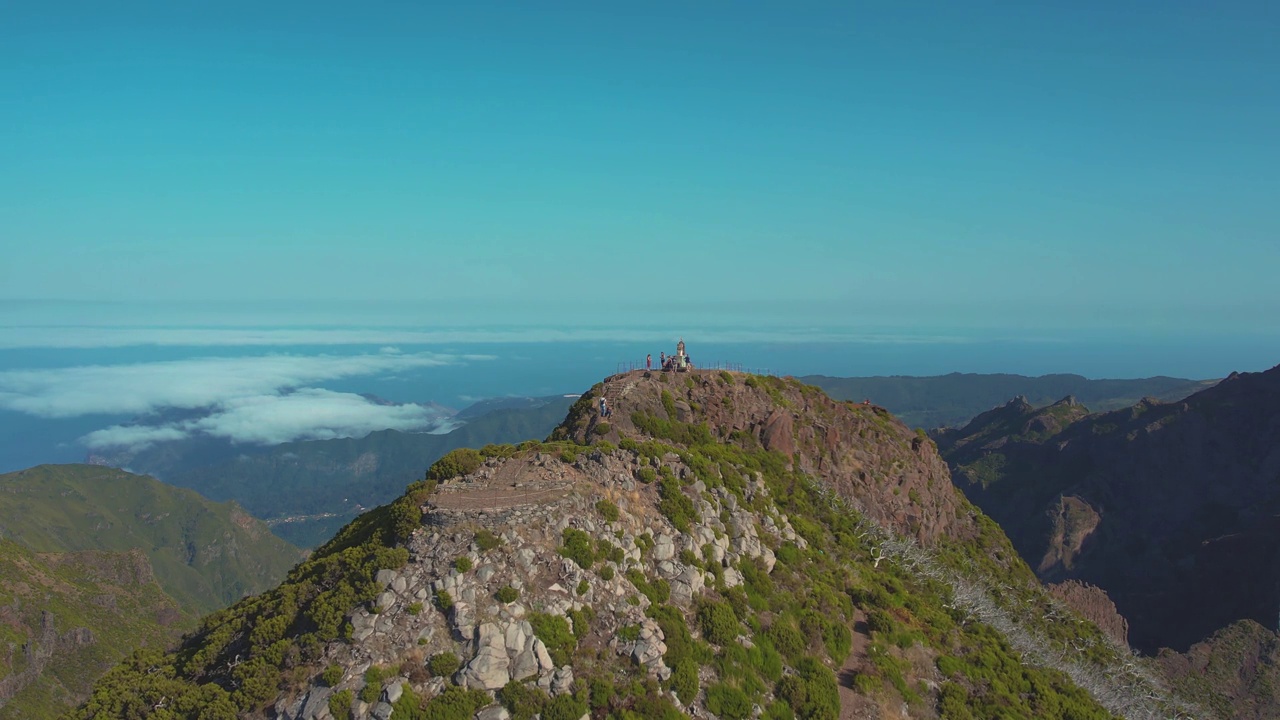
(626, 366)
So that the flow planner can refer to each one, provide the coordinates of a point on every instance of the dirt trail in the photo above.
(852, 705)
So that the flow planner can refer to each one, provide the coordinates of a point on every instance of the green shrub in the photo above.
(522, 701)
(340, 704)
(332, 675)
(602, 429)
(577, 547)
(507, 594)
(454, 703)
(584, 586)
(554, 632)
(728, 702)
(675, 505)
(444, 664)
(726, 377)
(581, 621)
(373, 678)
(669, 405)
(444, 600)
(564, 707)
(646, 475)
(462, 461)
(719, 624)
(463, 564)
(821, 695)
(608, 510)
(786, 639)
(486, 540)
(415, 608)
(684, 680)
(629, 633)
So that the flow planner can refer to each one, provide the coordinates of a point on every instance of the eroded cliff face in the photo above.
(884, 468)
(1171, 508)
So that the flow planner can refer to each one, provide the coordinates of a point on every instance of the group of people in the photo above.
(667, 362)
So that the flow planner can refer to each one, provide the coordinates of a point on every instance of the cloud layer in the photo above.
(262, 399)
(307, 414)
(193, 383)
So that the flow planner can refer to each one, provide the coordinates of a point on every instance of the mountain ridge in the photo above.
(678, 555)
(1168, 507)
(956, 398)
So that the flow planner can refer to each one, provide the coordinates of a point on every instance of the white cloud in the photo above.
(307, 414)
(193, 383)
(135, 437)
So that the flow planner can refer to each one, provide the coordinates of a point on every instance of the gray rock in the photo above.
(562, 680)
(399, 585)
(382, 711)
(392, 692)
(317, 700)
(493, 712)
(490, 668)
(384, 577)
(664, 548)
(544, 657)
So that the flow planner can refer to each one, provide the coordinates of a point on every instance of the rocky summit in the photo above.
(704, 544)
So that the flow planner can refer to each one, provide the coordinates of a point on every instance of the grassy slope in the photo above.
(102, 592)
(206, 555)
(950, 400)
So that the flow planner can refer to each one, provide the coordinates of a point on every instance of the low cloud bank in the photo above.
(306, 414)
(194, 383)
(261, 400)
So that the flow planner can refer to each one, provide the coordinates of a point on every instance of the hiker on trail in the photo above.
(662, 359)
(648, 362)
(604, 408)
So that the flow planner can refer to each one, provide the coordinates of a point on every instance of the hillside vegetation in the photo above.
(65, 618)
(95, 563)
(319, 485)
(206, 555)
(722, 544)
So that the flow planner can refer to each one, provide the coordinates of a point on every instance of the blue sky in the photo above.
(1093, 167)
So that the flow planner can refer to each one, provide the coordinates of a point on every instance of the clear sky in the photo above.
(1107, 166)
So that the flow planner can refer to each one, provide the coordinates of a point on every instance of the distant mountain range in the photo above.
(307, 490)
(951, 400)
(95, 562)
(1172, 508)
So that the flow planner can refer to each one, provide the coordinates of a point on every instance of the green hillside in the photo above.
(65, 618)
(951, 400)
(205, 555)
(320, 485)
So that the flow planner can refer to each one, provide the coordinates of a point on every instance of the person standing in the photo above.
(662, 359)
(648, 361)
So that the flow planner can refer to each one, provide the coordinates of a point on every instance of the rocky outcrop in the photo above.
(39, 651)
(881, 466)
(430, 606)
(1093, 604)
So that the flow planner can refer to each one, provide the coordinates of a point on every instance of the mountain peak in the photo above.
(867, 454)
